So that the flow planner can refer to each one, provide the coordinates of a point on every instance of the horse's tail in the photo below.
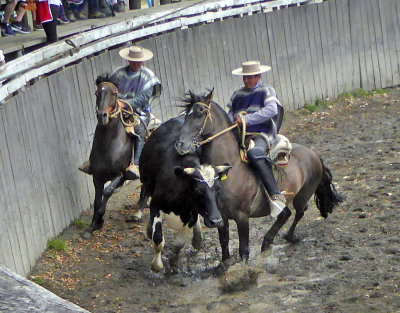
(326, 197)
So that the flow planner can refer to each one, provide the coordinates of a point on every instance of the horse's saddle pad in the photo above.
(279, 152)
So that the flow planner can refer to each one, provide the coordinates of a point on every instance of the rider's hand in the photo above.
(239, 121)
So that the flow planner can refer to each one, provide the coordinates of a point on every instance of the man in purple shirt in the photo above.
(261, 107)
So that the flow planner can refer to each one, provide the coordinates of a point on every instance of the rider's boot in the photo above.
(85, 167)
(132, 171)
(258, 160)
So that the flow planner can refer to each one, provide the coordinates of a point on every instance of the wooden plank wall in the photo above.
(316, 51)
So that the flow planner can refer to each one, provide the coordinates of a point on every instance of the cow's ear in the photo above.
(222, 171)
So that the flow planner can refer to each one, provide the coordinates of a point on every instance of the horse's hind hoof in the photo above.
(291, 239)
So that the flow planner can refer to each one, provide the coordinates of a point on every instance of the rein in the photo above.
(200, 143)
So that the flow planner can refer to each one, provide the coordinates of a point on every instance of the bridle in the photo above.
(120, 107)
(195, 141)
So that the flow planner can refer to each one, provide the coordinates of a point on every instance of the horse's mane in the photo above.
(106, 77)
(191, 99)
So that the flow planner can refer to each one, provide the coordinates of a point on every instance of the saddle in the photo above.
(279, 152)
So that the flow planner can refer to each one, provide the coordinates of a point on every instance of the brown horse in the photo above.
(242, 194)
(111, 150)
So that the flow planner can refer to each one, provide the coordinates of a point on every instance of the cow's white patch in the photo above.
(208, 174)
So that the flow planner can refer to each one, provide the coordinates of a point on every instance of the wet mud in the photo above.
(349, 262)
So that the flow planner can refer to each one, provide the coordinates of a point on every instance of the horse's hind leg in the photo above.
(289, 236)
(280, 221)
(138, 215)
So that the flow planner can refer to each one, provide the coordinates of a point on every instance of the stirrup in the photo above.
(278, 203)
(85, 167)
(132, 172)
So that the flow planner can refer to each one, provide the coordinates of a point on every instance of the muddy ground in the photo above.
(349, 262)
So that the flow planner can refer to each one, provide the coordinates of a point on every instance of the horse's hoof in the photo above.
(86, 235)
(291, 239)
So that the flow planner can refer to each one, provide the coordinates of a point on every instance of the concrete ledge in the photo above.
(18, 294)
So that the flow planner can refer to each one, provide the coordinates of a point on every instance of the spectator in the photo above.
(47, 13)
(76, 8)
(62, 19)
(17, 25)
(6, 28)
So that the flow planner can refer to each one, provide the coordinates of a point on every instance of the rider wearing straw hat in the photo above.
(135, 85)
(261, 106)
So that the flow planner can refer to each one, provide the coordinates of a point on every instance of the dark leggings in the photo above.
(50, 28)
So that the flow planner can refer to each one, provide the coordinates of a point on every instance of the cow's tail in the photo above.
(326, 197)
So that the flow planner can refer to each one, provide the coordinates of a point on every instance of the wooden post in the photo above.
(135, 4)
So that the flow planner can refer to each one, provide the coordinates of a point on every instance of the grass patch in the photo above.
(380, 91)
(318, 105)
(81, 224)
(359, 93)
(39, 280)
(57, 244)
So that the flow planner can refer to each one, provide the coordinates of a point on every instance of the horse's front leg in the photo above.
(223, 232)
(98, 197)
(270, 235)
(243, 231)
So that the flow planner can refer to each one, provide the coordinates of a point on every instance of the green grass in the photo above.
(359, 93)
(39, 280)
(57, 244)
(81, 224)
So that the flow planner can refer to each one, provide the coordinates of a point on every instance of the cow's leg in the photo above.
(181, 237)
(223, 232)
(97, 221)
(280, 221)
(243, 232)
(197, 239)
(158, 240)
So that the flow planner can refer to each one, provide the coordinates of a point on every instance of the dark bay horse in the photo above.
(111, 150)
(242, 194)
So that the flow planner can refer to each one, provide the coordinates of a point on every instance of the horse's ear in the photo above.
(191, 94)
(210, 96)
(102, 78)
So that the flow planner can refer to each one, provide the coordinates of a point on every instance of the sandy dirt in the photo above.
(349, 262)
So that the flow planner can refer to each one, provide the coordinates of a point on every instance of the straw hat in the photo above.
(251, 68)
(136, 54)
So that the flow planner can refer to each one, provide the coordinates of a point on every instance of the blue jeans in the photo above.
(93, 6)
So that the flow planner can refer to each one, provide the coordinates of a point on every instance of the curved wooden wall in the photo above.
(316, 51)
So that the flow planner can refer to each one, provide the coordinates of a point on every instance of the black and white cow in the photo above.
(180, 188)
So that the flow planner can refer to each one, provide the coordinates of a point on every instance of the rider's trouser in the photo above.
(257, 157)
(139, 140)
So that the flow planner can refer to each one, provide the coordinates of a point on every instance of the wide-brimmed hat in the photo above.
(251, 68)
(136, 54)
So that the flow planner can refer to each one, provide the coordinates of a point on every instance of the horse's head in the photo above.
(198, 123)
(106, 98)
